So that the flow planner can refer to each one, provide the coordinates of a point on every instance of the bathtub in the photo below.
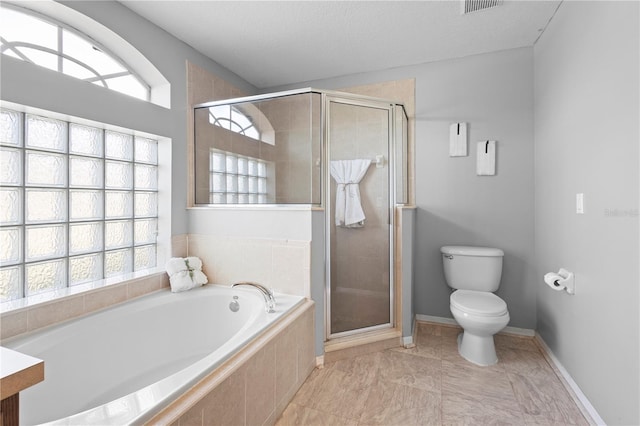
(124, 364)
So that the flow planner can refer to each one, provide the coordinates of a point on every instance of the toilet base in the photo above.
(479, 350)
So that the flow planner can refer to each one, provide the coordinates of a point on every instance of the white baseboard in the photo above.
(407, 341)
(320, 361)
(450, 321)
(583, 403)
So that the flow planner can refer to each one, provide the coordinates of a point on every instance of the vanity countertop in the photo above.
(18, 372)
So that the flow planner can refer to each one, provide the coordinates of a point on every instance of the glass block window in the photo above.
(77, 204)
(236, 179)
(42, 41)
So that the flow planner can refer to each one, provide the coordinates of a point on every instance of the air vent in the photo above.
(469, 6)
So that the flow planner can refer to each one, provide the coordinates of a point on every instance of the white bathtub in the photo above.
(124, 364)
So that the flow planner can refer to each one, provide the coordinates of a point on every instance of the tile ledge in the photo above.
(255, 207)
(38, 300)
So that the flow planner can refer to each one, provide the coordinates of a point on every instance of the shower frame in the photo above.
(325, 184)
(391, 161)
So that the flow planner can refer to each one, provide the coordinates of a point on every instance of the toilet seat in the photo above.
(479, 303)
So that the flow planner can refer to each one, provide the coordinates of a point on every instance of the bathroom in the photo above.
(563, 111)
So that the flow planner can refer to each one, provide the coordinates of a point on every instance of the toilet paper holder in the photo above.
(562, 280)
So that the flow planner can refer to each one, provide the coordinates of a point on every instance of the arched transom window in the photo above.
(34, 38)
(231, 118)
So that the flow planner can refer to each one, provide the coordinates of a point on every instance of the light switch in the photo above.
(580, 203)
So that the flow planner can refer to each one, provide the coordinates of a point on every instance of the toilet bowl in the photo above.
(481, 315)
(474, 273)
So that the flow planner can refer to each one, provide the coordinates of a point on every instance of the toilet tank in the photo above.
(472, 268)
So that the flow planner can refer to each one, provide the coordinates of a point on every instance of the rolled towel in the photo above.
(181, 281)
(199, 277)
(195, 266)
(175, 264)
(185, 273)
(193, 263)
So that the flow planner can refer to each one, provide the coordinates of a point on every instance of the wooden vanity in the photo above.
(17, 372)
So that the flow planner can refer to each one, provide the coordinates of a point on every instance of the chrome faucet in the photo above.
(269, 298)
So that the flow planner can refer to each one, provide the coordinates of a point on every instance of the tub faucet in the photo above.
(269, 298)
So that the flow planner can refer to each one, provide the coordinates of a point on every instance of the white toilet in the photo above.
(474, 273)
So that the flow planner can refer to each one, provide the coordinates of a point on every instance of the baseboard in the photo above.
(437, 320)
(407, 341)
(450, 321)
(581, 400)
(320, 361)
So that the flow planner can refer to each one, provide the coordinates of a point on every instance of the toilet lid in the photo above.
(478, 302)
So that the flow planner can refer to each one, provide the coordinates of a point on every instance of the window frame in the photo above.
(23, 224)
(9, 45)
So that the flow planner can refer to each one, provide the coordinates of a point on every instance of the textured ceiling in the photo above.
(272, 43)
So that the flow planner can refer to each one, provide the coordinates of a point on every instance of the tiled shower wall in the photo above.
(202, 86)
(403, 91)
(283, 265)
(296, 121)
(360, 256)
(295, 154)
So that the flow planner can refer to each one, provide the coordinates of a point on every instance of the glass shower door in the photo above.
(359, 216)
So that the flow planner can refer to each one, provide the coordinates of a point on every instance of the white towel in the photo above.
(348, 174)
(185, 273)
(175, 264)
(486, 165)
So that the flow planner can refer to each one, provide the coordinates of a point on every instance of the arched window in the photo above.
(231, 118)
(245, 119)
(43, 41)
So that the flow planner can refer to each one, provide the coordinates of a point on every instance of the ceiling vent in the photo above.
(469, 6)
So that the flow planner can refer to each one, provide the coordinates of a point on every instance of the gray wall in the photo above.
(38, 87)
(586, 137)
(494, 94)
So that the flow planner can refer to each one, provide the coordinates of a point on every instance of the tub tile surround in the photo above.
(256, 385)
(283, 265)
(431, 384)
(179, 245)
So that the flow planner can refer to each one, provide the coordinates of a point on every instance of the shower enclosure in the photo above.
(346, 153)
(360, 256)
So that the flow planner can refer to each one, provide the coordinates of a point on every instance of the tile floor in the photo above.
(431, 384)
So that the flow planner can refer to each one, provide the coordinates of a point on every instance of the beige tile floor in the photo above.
(432, 385)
